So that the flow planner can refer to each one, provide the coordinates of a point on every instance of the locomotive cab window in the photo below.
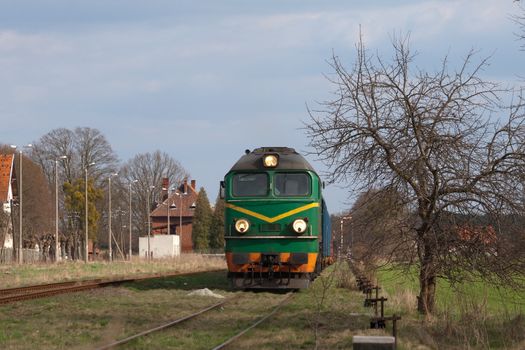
(292, 184)
(252, 184)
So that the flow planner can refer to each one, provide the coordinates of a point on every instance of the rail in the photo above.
(45, 290)
(194, 315)
(236, 336)
(164, 326)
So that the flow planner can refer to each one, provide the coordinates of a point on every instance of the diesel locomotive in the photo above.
(277, 227)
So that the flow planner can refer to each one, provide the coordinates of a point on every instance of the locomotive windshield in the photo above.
(253, 184)
(292, 184)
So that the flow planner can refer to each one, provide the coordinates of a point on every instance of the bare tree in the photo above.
(148, 169)
(442, 141)
(51, 146)
(83, 147)
(519, 19)
(378, 229)
(38, 208)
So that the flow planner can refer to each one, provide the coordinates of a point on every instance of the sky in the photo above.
(205, 80)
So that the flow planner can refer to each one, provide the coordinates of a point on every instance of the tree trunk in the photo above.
(427, 282)
(69, 250)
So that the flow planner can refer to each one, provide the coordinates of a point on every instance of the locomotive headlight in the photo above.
(242, 225)
(299, 225)
(270, 160)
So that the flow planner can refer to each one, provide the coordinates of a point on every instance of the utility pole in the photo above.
(20, 245)
(86, 223)
(342, 239)
(109, 218)
(130, 183)
(57, 245)
(148, 207)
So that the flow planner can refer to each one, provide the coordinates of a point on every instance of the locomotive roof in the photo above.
(289, 159)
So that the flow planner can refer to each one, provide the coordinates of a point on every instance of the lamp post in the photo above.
(130, 183)
(170, 206)
(180, 211)
(56, 207)
(20, 252)
(341, 242)
(148, 206)
(109, 217)
(86, 223)
(168, 211)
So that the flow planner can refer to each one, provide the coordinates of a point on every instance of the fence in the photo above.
(379, 320)
(30, 256)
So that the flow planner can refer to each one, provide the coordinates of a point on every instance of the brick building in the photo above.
(181, 207)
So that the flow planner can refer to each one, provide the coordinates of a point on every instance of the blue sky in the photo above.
(204, 80)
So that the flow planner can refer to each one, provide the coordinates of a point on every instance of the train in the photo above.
(277, 226)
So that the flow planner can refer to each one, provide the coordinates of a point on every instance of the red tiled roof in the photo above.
(483, 234)
(188, 204)
(6, 170)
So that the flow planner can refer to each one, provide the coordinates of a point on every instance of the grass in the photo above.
(31, 274)
(94, 318)
(495, 300)
(91, 319)
(469, 315)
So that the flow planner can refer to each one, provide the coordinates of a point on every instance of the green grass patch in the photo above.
(494, 299)
(473, 314)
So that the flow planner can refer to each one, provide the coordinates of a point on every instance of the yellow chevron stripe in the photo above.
(275, 218)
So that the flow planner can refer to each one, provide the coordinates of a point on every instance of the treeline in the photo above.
(63, 160)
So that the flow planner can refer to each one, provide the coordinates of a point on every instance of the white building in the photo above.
(6, 196)
(161, 246)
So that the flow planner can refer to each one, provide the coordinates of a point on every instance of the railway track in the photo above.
(45, 290)
(198, 313)
(264, 318)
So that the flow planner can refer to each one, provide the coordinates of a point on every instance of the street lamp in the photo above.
(130, 183)
(109, 217)
(56, 207)
(180, 210)
(169, 207)
(20, 252)
(148, 206)
(341, 243)
(86, 224)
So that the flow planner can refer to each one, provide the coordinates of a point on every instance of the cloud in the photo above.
(148, 76)
(16, 43)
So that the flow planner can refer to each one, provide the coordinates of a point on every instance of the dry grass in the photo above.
(461, 322)
(31, 274)
(468, 324)
(345, 279)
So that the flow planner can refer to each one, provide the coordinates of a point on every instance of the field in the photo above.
(325, 316)
(30, 274)
(94, 318)
(469, 315)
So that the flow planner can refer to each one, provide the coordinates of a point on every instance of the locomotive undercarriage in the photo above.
(270, 272)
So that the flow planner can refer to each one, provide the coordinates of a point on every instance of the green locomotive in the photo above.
(277, 228)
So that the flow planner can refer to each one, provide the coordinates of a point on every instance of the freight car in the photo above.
(277, 227)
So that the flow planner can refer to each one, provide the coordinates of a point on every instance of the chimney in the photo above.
(186, 185)
(165, 186)
(193, 184)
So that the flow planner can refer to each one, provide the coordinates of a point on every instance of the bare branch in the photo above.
(441, 141)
